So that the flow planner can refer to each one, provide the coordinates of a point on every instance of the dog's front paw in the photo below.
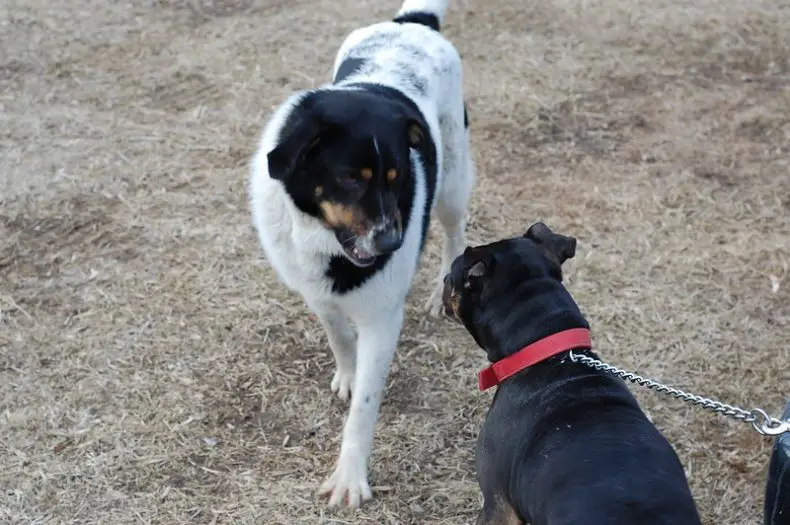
(347, 485)
(434, 306)
(343, 383)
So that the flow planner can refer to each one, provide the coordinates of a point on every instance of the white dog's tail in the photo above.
(426, 12)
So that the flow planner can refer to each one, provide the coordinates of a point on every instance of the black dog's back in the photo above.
(581, 452)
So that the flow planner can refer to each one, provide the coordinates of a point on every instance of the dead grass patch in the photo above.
(153, 370)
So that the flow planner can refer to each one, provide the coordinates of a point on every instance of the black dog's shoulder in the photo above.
(578, 438)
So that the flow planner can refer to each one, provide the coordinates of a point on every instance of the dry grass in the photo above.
(152, 370)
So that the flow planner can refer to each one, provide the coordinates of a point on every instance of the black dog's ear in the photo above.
(559, 247)
(479, 271)
(296, 140)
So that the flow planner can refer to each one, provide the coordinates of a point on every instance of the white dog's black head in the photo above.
(343, 157)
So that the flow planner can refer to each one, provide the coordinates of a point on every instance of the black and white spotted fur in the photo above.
(404, 64)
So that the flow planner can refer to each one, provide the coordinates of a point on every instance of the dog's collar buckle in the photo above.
(573, 339)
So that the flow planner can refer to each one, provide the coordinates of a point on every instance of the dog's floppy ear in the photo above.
(478, 272)
(415, 131)
(558, 247)
(296, 140)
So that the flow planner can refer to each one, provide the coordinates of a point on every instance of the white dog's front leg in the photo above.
(376, 344)
(342, 342)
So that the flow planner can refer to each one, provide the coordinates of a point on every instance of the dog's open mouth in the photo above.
(358, 256)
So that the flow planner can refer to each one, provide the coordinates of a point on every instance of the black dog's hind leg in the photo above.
(496, 511)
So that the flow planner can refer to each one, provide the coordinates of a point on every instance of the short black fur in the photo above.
(329, 137)
(561, 443)
(427, 152)
(419, 17)
(345, 276)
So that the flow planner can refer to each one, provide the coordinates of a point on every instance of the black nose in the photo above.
(388, 240)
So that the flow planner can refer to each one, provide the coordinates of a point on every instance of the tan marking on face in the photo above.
(392, 174)
(452, 300)
(455, 304)
(339, 215)
(319, 190)
(367, 173)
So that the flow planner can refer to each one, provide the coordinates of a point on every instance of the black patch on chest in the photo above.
(347, 68)
(466, 118)
(344, 274)
(419, 17)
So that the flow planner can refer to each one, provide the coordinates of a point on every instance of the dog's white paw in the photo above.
(343, 383)
(347, 485)
(434, 306)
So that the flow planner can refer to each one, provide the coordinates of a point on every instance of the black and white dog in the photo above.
(342, 188)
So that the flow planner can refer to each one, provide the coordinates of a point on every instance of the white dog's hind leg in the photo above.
(458, 178)
(375, 349)
(342, 342)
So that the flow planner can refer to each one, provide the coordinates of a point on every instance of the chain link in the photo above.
(759, 419)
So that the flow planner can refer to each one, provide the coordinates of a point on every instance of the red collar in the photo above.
(533, 354)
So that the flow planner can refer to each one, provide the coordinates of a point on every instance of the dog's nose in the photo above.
(387, 241)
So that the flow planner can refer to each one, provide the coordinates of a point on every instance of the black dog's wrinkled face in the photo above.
(487, 271)
(344, 158)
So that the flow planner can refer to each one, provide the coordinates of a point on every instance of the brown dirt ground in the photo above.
(152, 370)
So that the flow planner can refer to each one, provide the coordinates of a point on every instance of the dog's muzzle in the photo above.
(364, 250)
(387, 240)
(386, 236)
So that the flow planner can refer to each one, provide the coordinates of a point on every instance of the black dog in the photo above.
(562, 443)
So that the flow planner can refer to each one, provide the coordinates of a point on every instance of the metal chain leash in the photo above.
(760, 420)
